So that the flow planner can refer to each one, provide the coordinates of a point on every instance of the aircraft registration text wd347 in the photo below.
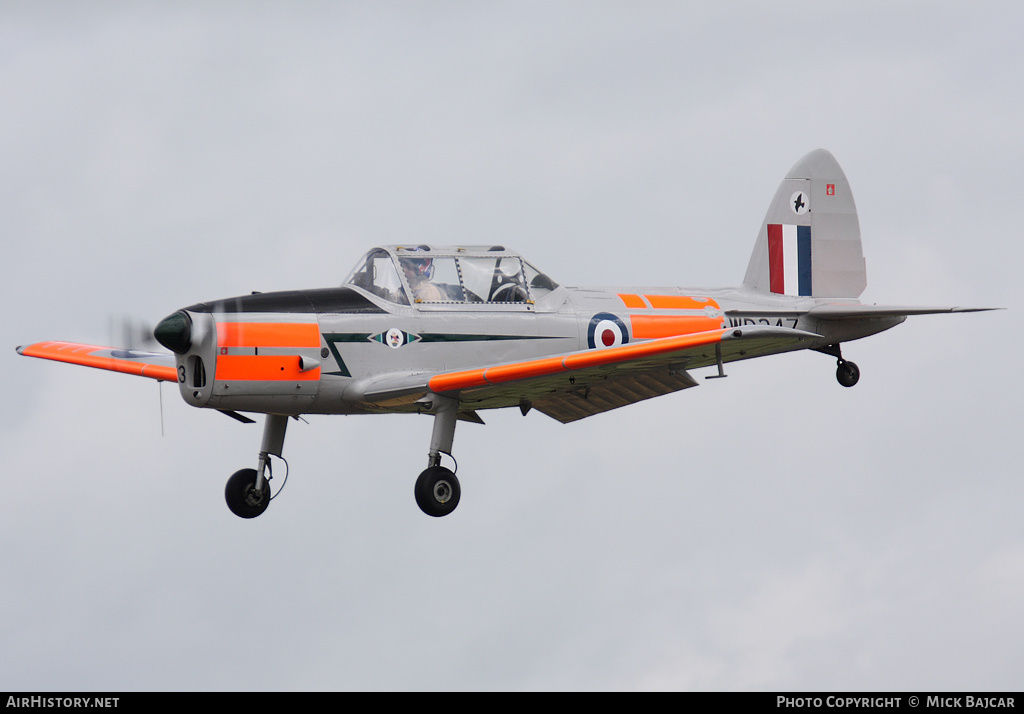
(452, 331)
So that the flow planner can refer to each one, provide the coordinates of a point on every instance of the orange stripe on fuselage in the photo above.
(680, 302)
(634, 301)
(646, 327)
(268, 334)
(274, 368)
(259, 367)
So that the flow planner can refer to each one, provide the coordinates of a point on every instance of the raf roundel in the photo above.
(606, 330)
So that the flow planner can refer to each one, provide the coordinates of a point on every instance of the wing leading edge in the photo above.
(154, 365)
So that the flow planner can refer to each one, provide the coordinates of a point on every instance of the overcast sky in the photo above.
(772, 530)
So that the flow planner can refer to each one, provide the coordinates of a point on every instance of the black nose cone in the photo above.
(175, 332)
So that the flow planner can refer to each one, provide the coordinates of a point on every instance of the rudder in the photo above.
(809, 243)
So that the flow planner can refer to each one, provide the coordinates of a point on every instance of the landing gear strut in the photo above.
(437, 489)
(248, 490)
(847, 373)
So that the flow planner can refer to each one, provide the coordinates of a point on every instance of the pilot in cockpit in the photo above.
(418, 272)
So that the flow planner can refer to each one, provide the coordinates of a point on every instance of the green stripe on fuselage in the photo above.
(455, 337)
(332, 338)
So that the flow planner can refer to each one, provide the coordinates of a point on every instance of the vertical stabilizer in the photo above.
(809, 243)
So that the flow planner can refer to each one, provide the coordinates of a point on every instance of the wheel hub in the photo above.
(442, 491)
(437, 491)
(253, 497)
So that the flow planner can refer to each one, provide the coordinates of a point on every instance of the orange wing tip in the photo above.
(85, 355)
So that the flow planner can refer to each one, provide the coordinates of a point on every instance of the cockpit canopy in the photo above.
(460, 275)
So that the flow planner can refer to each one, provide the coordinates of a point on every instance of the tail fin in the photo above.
(809, 244)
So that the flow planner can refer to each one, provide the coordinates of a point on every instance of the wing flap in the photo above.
(154, 365)
(603, 396)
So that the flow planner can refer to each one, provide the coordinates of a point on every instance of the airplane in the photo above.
(451, 331)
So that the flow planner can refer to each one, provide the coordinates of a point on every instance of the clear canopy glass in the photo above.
(454, 276)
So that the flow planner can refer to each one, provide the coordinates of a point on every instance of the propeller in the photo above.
(132, 333)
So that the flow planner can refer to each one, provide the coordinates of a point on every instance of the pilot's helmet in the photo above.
(421, 267)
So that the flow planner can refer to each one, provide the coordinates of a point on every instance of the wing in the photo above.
(155, 365)
(581, 384)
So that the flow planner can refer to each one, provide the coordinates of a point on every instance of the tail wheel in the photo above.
(437, 491)
(847, 373)
(243, 498)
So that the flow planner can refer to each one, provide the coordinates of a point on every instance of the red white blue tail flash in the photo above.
(789, 259)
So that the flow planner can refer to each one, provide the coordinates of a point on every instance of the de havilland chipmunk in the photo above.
(453, 331)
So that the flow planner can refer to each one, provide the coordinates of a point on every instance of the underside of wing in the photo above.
(581, 384)
(611, 393)
(155, 365)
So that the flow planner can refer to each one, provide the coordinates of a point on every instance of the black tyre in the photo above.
(847, 373)
(437, 491)
(242, 497)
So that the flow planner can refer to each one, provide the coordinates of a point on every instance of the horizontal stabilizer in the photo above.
(852, 312)
(155, 365)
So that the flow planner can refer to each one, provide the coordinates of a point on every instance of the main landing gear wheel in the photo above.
(243, 498)
(437, 491)
(847, 373)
